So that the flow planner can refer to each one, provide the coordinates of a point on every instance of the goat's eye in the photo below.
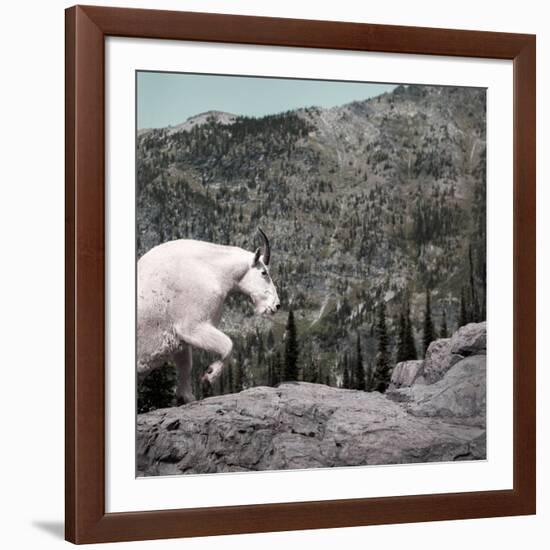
(264, 272)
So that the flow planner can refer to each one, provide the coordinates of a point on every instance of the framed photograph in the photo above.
(300, 274)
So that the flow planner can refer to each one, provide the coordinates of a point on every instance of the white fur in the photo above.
(182, 286)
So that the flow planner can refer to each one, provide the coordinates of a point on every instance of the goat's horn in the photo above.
(267, 248)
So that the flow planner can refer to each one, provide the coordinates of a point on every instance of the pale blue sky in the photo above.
(165, 99)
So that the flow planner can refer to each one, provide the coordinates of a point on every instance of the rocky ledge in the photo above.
(302, 425)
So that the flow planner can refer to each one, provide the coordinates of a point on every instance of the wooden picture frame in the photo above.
(86, 30)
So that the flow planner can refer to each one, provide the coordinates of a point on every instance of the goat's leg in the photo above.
(184, 363)
(209, 338)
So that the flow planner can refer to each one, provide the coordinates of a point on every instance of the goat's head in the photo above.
(257, 281)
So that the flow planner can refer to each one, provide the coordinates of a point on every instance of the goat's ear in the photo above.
(257, 255)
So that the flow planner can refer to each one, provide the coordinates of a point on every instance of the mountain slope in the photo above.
(373, 201)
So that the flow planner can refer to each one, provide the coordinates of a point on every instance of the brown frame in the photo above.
(86, 29)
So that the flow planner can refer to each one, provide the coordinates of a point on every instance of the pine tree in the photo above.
(345, 377)
(314, 372)
(310, 372)
(409, 353)
(156, 391)
(261, 349)
(369, 377)
(428, 335)
(443, 331)
(269, 381)
(291, 349)
(382, 372)
(483, 311)
(277, 368)
(463, 319)
(230, 386)
(347, 373)
(221, 383)
(474, 309)
(358, 369)
(401, 350)
(239, 373)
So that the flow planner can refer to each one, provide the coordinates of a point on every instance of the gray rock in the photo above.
(459, 396)
(438, 360)
(406, 373)
(442, 354)
(470, 339)
(297, 425)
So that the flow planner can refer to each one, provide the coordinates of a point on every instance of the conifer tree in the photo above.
(382, 372)
(310, 372)
(474, 307)
(239, 373)
(269, 381)
(401, 351)
(221, 383)
(369, 377)
(291, 348)
(314, 372)
(230, 386)
(443, 330)
(347, 374)
(409, 347)
(428, 335)
(345, 377)
(271, 375)
(358, 369)
(277, 368)
(483, 309)
(261, 349)
(463, 318)
(156, 391)
(270, 340)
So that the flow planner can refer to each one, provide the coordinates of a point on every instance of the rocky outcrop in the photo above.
(442, 354)
(453, 379)
(297, 425)
(435, 410)
(469, 340)
(439, 360)
(458, 396)
(406, 373)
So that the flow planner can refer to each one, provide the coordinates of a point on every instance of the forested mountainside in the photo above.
(376, 211)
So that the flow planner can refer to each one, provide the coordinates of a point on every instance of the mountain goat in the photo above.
(181, 288)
